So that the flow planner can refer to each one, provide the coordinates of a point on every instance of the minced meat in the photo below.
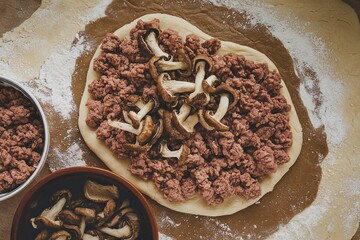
(219, 164)
(21, 138)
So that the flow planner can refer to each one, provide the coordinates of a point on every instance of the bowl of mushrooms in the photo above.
(84, 203)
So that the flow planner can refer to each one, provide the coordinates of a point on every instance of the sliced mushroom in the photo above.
(100, 193)
(69, 217)
(48, 216)
(135, 100)
(181, 154)
(88, 213)
(183, 122)
(214, 120)
(43, 235)
(63, 193)
(60, 235)
(93, 235)
(104, 215)
(148, 42)
(144, 132)
(202, 64)
(137, 117)
(209, 83)
(202, 120)
(168, 87)
(167, 120)
(158, 133)
(158, 65)
(128, 230)
(233, 95)
(75, 230)
(124, 232)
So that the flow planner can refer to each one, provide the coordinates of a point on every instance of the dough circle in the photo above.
(196, 205)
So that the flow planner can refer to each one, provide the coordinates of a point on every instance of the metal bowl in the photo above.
(30, 96)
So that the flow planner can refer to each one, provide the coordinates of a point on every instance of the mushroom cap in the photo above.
(185, 152)
(63, 193)
(208, 84)
(210, 120)
(108, 211)
(142, 37)
(100, 193)
(60, 235)
(199, 58)
(183, 57)
(234, 97)
(69, 217)
(147, 131)
(166, 96)
(158, 133)
(136, 147)
(185, 129)
(87, 213)
(153, 69)
(43, 235)
(199, 101)
(41, 222)
(73, 230)
(202, 120)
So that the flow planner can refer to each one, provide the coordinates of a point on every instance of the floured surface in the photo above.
(196, 205)
(327, 67)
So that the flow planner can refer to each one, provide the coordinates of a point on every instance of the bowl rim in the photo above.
(27, 93)
(84, 169)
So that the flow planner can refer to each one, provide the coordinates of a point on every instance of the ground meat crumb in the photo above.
(220, 164)
(21, 139)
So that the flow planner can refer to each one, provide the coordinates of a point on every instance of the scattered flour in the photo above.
(55, 88)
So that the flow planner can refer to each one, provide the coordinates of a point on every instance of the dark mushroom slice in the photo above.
(148, 42)
(144, 132)
(60, 235)
(128, 230)
(183, 122)
(202, 64)
(181, 154)
(88, 213)
(233, 95)
(100, 193)
(159, 65)
(202, 120)
(214, 120)
(167, 120)
(93, 235)
(63, 193)
(107, 212)
(158, 133)
(43, 235)
(168, 88)
(137, 117)
(76, 231)
(208, 84)
(48, 218)
(69, 217)
(135, 100)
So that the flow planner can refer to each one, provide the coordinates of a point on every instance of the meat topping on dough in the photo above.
(220, 162)
(21, 139)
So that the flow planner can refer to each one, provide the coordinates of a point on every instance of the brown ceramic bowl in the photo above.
(36, 199)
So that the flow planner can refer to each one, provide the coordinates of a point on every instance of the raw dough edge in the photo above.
(196, 205)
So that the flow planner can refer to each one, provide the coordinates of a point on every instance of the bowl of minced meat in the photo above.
(24, 138)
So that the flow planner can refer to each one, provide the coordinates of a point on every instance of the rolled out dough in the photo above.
(196, 205)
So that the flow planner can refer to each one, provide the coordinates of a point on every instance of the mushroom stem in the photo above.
(184, 112)
(154, 46)
(200, 75)
(180, 154)
(179, 86)
(125, 126)
(169, 66)
(223, 106)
